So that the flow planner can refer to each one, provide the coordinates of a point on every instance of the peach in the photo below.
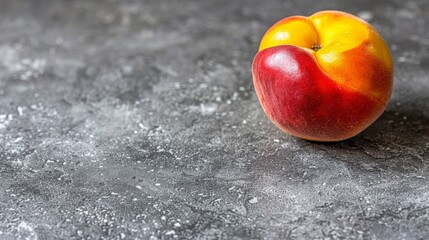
(326, 77)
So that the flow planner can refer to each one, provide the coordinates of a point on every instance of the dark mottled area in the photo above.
(138, 120)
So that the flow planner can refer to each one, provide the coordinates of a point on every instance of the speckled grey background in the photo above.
(138, 120)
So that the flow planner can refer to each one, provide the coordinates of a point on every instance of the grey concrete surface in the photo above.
(138, 120)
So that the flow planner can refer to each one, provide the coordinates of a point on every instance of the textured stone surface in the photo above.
(138, 120)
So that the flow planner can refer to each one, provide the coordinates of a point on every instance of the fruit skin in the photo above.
(330, 94)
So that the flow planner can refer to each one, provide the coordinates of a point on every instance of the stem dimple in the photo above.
(316, 47)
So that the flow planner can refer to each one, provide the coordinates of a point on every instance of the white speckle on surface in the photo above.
(171, 232)
(407, 13)
(234, 96)
(402, 59)
(366, 15)
(127, 69)
(139, 187)
(59, 40)
(208, 108)
(420, 40)
(253, 200)
(20, 110)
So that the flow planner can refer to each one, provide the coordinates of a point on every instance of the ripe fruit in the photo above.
(326, 77)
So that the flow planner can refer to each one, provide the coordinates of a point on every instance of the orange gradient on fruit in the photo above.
(348, 58)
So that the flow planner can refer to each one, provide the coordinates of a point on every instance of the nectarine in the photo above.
(326, 77)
